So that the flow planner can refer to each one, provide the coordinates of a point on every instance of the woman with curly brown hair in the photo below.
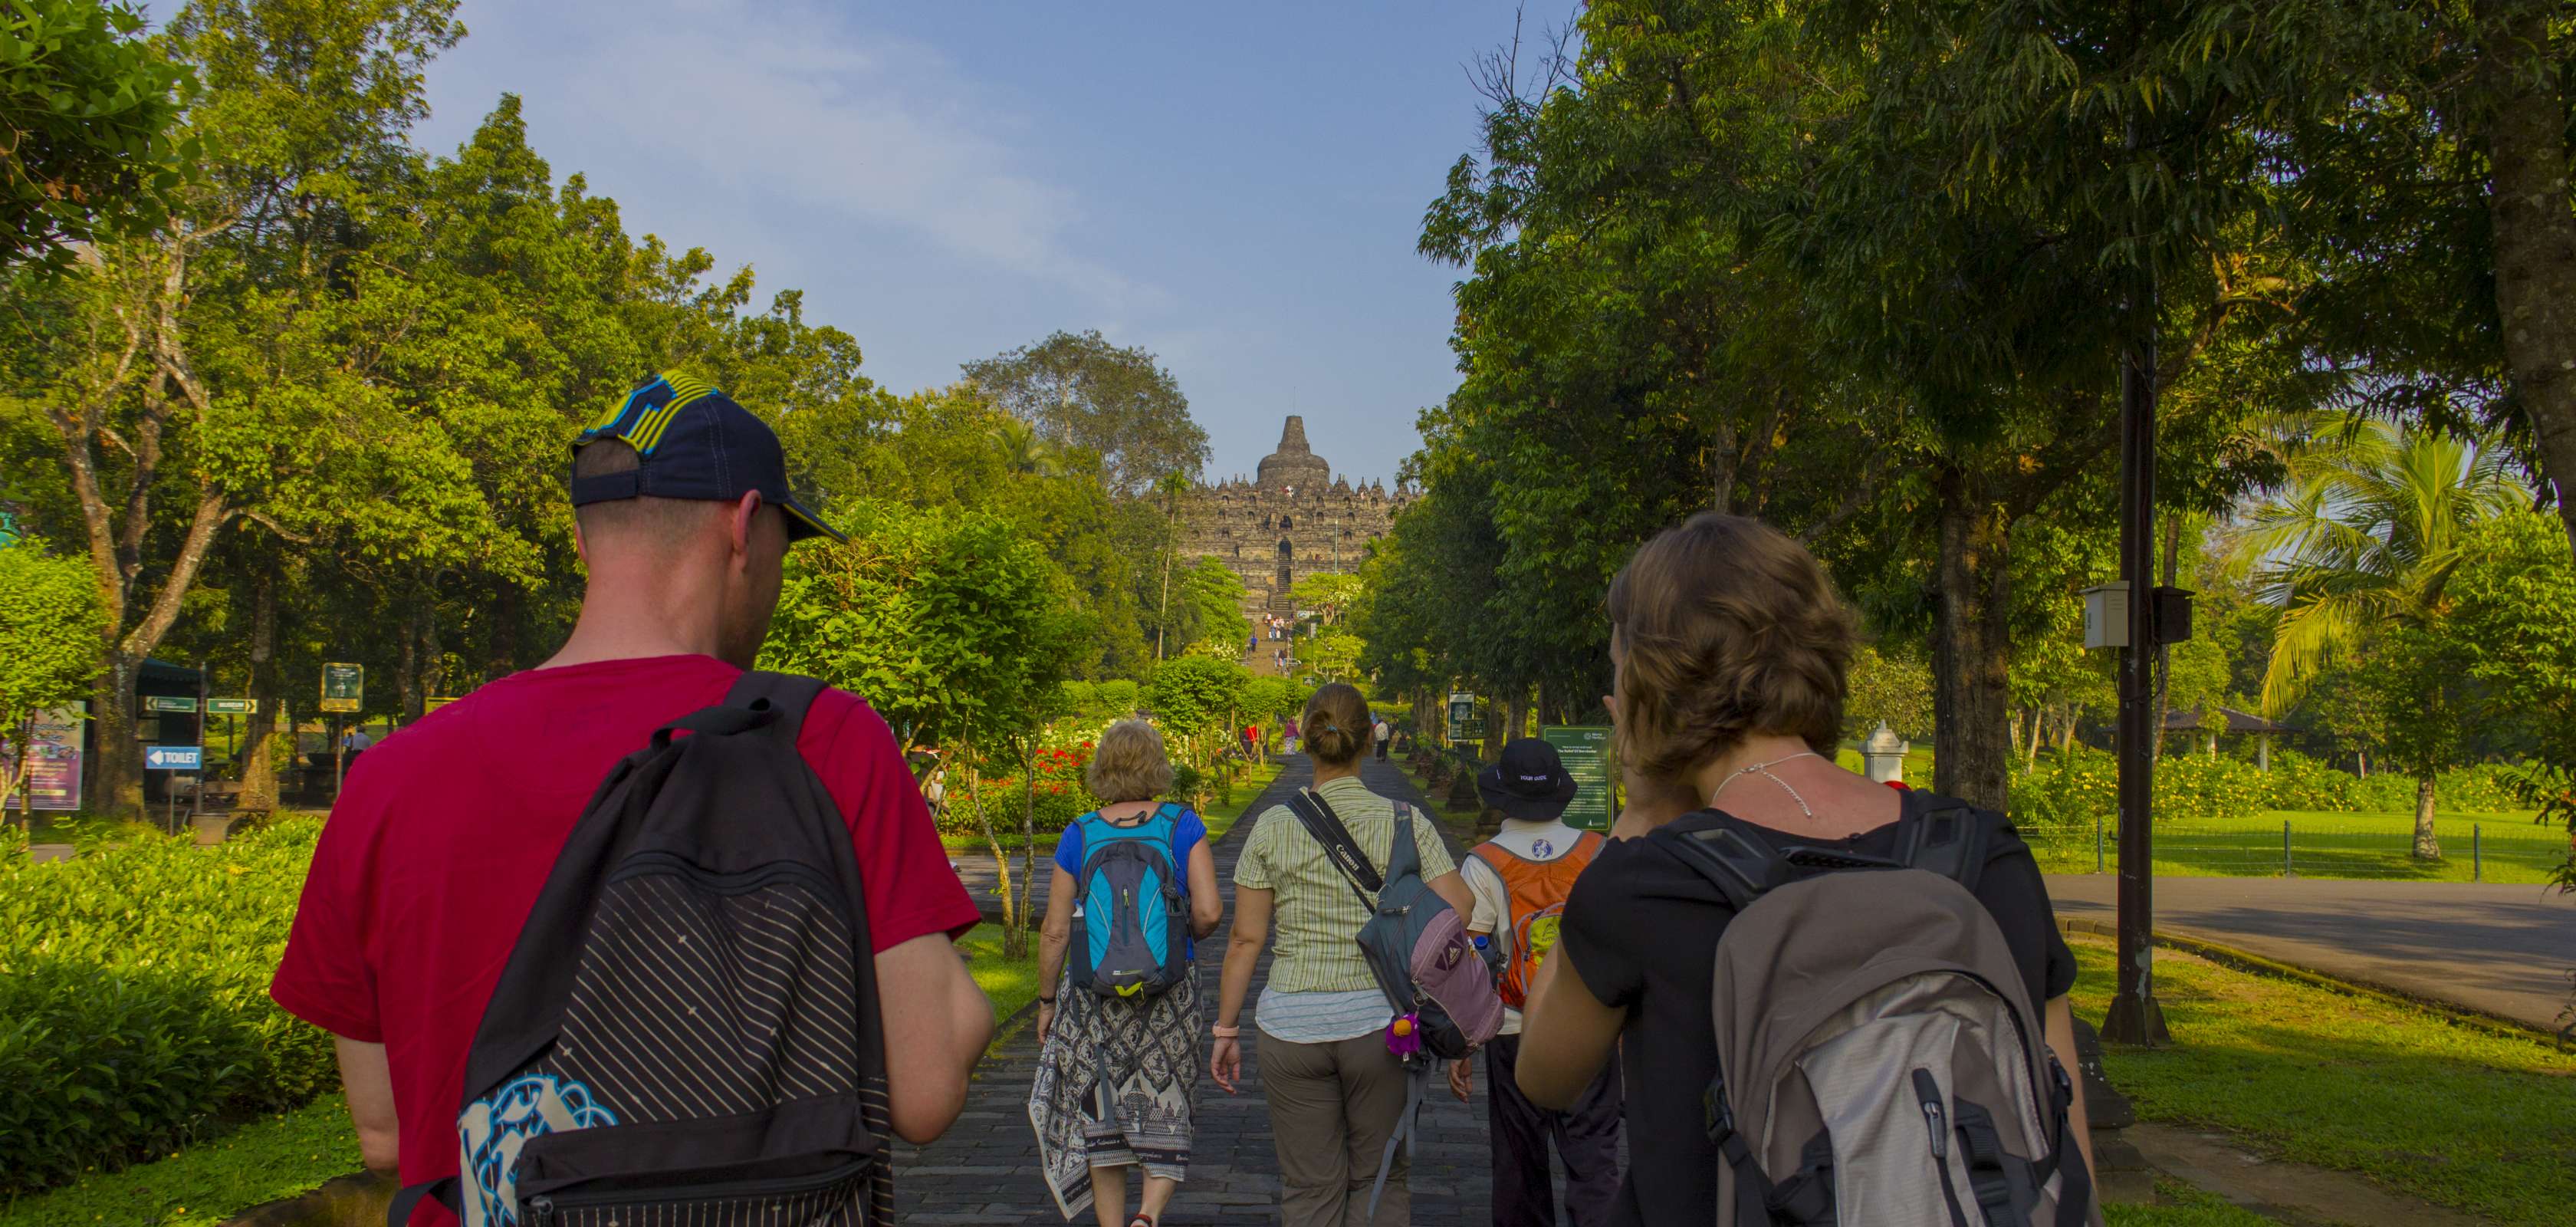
(1729, 647)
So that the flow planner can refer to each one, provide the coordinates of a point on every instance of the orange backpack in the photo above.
(1536, 891)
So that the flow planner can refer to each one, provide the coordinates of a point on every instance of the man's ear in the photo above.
(746, 510)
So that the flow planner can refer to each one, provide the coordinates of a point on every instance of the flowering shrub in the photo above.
(1057, 772)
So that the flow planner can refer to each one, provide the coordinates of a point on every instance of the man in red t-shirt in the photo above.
(437, 849)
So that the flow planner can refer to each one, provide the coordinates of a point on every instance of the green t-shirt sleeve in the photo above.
(1435, 854)
(1253, 868)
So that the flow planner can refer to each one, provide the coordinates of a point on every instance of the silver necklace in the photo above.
(1765, 769)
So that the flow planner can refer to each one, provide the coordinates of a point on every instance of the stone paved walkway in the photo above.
(985, 1170)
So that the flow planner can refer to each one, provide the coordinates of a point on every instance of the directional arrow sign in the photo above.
(174, 758)
(232, 707)
(169, 702)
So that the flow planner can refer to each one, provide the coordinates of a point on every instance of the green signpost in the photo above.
(169, 703)
(1462, 718)
(344, 687)
(231, 707)
(1586, 751)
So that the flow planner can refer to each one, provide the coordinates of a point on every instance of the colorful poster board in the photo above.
(344, 687)
(1585, 748)
(54, 771)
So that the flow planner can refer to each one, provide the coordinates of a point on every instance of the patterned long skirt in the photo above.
(1114, 1088)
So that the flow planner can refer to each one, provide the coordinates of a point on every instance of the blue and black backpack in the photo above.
(1133, 940)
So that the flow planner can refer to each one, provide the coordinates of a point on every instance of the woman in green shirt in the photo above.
(1333, 1088)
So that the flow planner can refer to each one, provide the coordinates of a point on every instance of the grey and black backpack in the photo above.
(1881, 1059)
(687, 1029)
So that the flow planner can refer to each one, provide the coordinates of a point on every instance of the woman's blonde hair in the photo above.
(1128, 764)
(1726, 628)
(1336, 727)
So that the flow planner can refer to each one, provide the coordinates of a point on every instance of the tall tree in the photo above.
(87, 103)
(958, 630)
(1079, 390)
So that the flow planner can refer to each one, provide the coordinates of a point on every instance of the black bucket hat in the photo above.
(1529, 781)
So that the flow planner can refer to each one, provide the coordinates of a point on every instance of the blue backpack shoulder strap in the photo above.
(1404, 856)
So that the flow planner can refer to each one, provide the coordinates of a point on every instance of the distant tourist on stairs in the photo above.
(1335, 1091)
(1120, 1063)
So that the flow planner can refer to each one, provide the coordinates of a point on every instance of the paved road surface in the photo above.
(985, 1170)
(2502, 950)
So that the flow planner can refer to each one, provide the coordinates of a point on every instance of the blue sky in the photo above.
(1235, 187)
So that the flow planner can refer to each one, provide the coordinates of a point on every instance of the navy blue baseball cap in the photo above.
(694, 442)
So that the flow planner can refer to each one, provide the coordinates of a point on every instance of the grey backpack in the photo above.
(1881, 1059)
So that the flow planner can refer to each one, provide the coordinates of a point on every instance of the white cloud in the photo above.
(788, 102)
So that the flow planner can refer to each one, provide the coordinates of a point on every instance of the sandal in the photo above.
(1141, 1220)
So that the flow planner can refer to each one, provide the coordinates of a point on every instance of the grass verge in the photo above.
(1248, 788)
(1011, 983)
(2454, 1114)
(263, 1160)
(2180, 1205)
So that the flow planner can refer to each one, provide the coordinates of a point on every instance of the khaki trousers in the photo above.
(1332, 1108)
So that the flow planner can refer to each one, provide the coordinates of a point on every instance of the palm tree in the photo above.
(2371, 522)
(1024, 450)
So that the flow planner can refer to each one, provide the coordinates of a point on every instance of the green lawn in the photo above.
(264, 1160)
(2180, 1205)
(2508, 847)
(2458, 1115)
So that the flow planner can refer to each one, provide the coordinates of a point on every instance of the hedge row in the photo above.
(134, 1009)
(2074, 787)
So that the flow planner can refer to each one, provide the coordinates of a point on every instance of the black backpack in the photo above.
(687, 1029)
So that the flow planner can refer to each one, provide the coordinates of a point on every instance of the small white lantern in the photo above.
(1884, 752)
(2106, 615)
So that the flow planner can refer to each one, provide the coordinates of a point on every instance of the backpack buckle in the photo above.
(1721, 1118)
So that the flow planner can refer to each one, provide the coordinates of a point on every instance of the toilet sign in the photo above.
(174, 758)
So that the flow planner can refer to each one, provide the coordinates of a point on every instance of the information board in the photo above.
(1586, 751)
(54, 766)
(344, 687)
(1462, 715)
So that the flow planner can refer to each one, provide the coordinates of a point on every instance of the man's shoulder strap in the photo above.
(787, 694)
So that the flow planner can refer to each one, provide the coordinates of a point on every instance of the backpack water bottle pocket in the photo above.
(805, 1164)
(830, 1197)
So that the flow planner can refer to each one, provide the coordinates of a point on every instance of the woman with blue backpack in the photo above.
(1120, 1016)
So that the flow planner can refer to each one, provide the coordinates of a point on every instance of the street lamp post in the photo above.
(2134, 1016)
